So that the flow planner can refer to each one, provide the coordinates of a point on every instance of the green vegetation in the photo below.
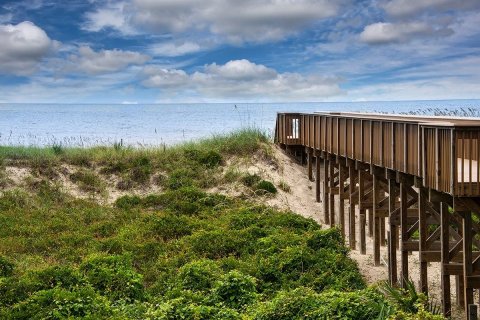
(183, 253)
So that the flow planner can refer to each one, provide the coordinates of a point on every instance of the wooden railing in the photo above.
(442, 151)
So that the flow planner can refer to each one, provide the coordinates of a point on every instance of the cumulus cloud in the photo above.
(242, 79)
(386, 32)
(112, 16)
(238, 21)
(105, 61)
(403, 8)
(174, 49)
(22, 47)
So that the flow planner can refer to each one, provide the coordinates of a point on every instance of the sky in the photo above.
(184, 51)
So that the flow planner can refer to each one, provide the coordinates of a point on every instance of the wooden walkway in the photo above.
(415, 180)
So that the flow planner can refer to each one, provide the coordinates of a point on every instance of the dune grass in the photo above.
(179, 254)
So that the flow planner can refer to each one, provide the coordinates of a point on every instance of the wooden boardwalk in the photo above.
(415, 180)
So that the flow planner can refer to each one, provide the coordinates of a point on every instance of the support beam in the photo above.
(445, 243)
(309, 163)
(361, 195)
(467, 258)
(326, 196)
(423, 236)
(317, 178)
(404, 233)
(351, 211)
(376, 222)
(342, 170)
(331, 195)
(392, 235)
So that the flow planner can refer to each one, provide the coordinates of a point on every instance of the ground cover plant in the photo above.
(183, 253)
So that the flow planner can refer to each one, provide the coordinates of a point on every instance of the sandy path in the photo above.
(301, 199)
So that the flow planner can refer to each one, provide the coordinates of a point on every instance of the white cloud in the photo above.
(410, 8)
(165, 78)
(237, 21)
(22, 47)
(174, 49)
(242, 80)
(104, 61)
(241, 70)
(113, 16)
(386, 32)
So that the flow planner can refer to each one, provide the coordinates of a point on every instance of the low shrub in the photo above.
(88, 181)
(59, 303)
(180, 178)
(59, 276)
(128, 202)
(250, 180)
(266, 186)
(304, 303)
(6, 267)
(169, 226)
(236, 290)
(199, 275)
(114, 277)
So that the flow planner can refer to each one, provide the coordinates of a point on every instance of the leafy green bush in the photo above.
(266, 186)
(88, 181)
(251, 180)
(6, 267)
(180, 178)
(170, 226)
(114, 277)
(208, 158)
(59, 303)
(199, 275)
(128, 202)
(304, 303)
(59, 276)
(236, 290)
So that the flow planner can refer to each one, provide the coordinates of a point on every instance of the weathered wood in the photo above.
(326, 202)
(404, 233)
(423, 235)
(467, 259)
(351, 211)
(331, 196)
(392, 234)
(309, 164)
(317, 178)
(342, 171)
(376, 223)
(431, 166)
(361, 194)
(445, 240)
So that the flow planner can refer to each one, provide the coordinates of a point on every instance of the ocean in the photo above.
(140, 125)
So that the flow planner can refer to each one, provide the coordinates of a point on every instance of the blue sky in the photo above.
(162, 51)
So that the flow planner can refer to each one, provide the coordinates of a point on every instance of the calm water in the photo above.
(151, 125)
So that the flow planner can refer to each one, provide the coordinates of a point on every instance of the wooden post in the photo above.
(467, 258)
(445, 249)
(404, 234)
(472, 312)
(331, 195)
(423, 235)
(326, 177)
(351, 212)
(371, 222)
(382, 232)
(309, 164)
(361, 195)
(392, 235)
(317, 177)
(341, 201)
(376, 222)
